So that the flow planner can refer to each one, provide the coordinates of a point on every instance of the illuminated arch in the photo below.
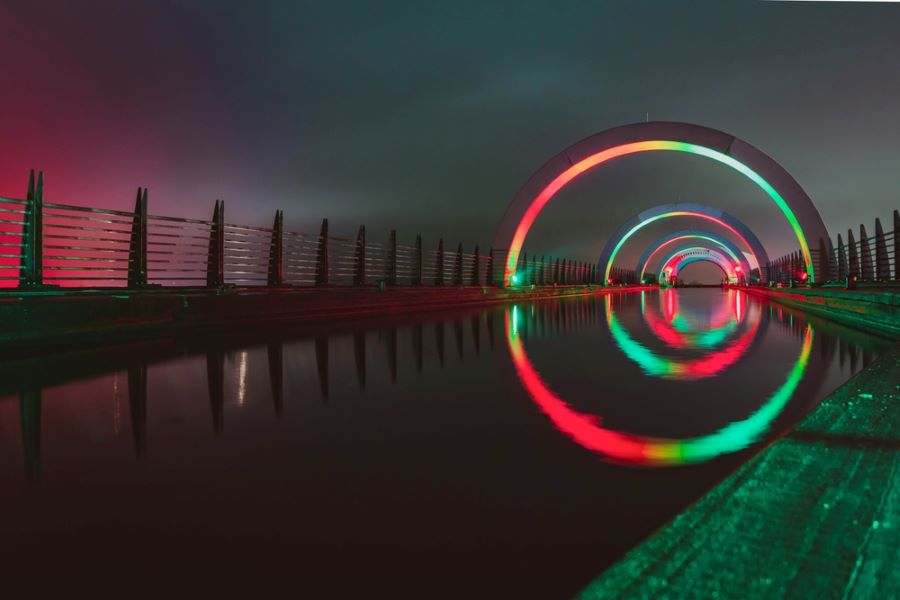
(673, 264)
(602, 147)
(682, 209)
(691, 235)
(588, 431)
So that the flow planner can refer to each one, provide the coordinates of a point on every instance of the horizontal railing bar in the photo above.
(84, 258)
(57, 236)
(14, 211)
(179, 220)
(13, 201)
(125, 222)
(102, 211)
(84, 228)
(103, 269)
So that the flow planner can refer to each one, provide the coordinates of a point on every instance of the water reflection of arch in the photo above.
(676, 332)
(711, 363)
(620, 446)
(691, 234)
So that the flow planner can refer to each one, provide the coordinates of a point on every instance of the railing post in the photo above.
(359, 265)
(554, 271)
(476, 264)
(33, 228)
(532, 272)
(458, 267)
(489, 275)
(417, 262)
(882, 262)
(215, 263)
(522, 268)
(137, 248)
(865, 255)
(439, 264)
(896, 242)
(391, 276)
(276, 252)
(824, 271)
(841, 259)
(322, 255)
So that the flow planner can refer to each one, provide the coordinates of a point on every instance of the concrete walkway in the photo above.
(815, 515)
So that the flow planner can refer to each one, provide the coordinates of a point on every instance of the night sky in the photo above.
(428, 117)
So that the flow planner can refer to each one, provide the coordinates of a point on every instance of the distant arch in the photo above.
(673, 264)
(692, 235)
(602, 147)
(681, 209)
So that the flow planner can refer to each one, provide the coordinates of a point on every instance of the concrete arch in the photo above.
(692, 235)
(602, 147)
(681, 209)
(680, 259)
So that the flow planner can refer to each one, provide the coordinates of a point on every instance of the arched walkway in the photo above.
(692, 235)
(602, 147)
(681, 209)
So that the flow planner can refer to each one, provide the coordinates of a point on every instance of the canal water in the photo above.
(510, 451)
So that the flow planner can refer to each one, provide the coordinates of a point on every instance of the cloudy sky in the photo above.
(428, 116)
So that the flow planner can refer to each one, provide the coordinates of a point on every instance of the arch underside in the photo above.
(593, 151)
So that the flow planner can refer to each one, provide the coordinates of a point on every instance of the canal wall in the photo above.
(37, 320)
(876, 311)
(815, 515)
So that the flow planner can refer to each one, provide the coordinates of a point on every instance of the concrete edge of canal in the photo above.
(874, 311)
(816, 514)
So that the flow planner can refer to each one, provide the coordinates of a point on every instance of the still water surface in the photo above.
(513, 451)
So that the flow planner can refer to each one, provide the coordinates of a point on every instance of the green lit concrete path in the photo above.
(815, 515)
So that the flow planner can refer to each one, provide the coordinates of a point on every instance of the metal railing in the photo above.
(54, 244)
(871, 259)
